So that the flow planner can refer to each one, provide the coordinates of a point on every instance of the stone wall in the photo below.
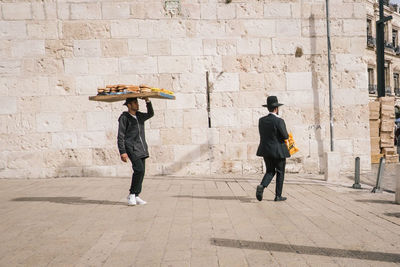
(54, 54)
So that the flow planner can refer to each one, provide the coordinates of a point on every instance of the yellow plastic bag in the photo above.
(291, 144)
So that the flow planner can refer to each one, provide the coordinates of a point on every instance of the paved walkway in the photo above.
(195, 222)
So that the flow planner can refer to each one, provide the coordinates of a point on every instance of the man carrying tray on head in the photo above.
(132, 144)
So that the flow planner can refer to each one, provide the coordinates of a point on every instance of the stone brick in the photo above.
(161, 154)
(173, 118)
(64, 140)
(277, 10)
(250, 10)
(38, 12)
(225, 11)
(355, 27)
(10, 66)
(227, 46)
(224, 117)
(139, 65)
(206, 63)
(106, 156)
(84, 11)
(186, 153)
(86, 30)
(190, 83)
(29, 87)
(137, 47)
(42, 30)
(117, 10)
(63, 11)
(290, 28)
(236, 151)
(186, 47)
(5, 48)
(205, 29)
(28, 48)
(76, 66)
(8, 105)
(174, 64)
(260, 28)
(226, 82)
(248, 46)
(48, 122)
(87, 85)
(87, 48)
(16, 11)
(208, 11)
(191, 10)
(50, 10)
(251, 81)
(209, 47)
(138, 10)
(183, 101)
(67, 157)
(175, 136)
(124, 29)
(100, 121)
(153, 137)
(24, 160)
(12, 30)
(59, 48)
(160, 47)
(235, 28)
(195, 118)
(103, 66)
(265, 46)
(74, 121)
(114, 48)
(299, 80)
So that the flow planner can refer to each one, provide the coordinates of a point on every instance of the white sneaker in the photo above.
(140, 201)
(131, 200)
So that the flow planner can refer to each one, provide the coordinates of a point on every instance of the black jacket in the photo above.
(131, 136)
(272, 137)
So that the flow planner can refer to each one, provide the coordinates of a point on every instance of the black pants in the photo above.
(138, 167)
(274, 166)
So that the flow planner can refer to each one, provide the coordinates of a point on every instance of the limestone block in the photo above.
(387, 126)
(55, 158)
(207, 136)
(225, 11)
(48, 122)
(348, 62)
(236, 151)
(208, 11)
(59, 48)
(30, 87)
(159, 47)
(42, 30)
(227, 47)
(74, 121)
(24, 160)
(191, 10)
(5, 48)
(112, 10)
(226, 82)
(99, 171)
(87, 85)
(158, 121)
(245, 118)
(354, 27)
(213, 28)
(12, 30)
(252, 152)
(100, 120)
(195, 118)
(50, 10)
(248, 46)
(16, 11)
(87, 48)
(175, 136)
(260, 28)
(226, 167)
(161, 154)
(8, 105)
(76, 66)
(114, 48)
(288, 45)
(277, 10)
(63, 140)
(138, 10)
(314, 27)
(186, 47)
(251, 81)
(103, 66)
(251, 99)
(38, 12)
(266, 46)
(224, 117)
(209, 47)
(63, 11)
(289, 28)
(89, 30)
(190, 83)
(126, 170)
(155, 10)
(69, 172)
(147, 29)
(174, 118)
(124, 29)
(299, 81)
(153, 137)
(85, 11)
(174, 64)
(344, 146)
(10, 66)
(332, 163)
(28, 48)
(186, 153)
(139, 65)
(106, 156)
(250, 10)
(138, 47)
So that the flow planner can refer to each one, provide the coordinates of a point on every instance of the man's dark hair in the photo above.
(270, 109)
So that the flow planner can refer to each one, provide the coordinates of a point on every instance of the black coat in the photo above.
(272, 137)
(131, 136)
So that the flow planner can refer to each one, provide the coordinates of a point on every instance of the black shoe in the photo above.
(259, 192)
(280, 198)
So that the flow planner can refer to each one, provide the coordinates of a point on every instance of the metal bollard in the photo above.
(357, 184)
(377, 188)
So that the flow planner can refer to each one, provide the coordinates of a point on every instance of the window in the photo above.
(395, 38)
(388, 90)
(371, 83)
(369, 27)
(396, 83)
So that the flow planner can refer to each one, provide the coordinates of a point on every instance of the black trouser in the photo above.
(274, 166)
(138, 167)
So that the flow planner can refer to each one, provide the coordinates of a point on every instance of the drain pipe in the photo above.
(328, 38)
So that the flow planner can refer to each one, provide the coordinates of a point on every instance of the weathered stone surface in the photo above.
(86, 30)
(114, 48)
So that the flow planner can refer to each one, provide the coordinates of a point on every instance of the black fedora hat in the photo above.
(272, 101)
(129, 100)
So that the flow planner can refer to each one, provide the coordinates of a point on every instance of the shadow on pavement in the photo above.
(378, 201)
(69, 200)
(309, 250)
(242, 199)
(392, 214)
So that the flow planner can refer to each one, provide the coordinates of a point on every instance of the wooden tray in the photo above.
(121, 97)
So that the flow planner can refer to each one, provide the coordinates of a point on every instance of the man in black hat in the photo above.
(272, 148)
(132, 144)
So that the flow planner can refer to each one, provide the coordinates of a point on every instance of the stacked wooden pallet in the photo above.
(381, 122)
(387, 129)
